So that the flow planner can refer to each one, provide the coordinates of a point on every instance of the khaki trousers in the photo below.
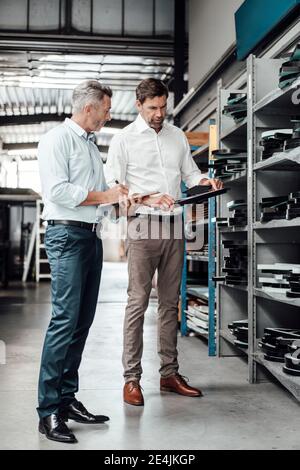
(145, 255)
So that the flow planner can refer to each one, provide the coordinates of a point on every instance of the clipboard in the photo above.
(198, 198)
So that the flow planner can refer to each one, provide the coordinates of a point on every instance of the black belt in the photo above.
(75, 223)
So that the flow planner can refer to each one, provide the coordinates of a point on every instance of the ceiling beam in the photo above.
(39, 118)
(114, 45)
(33, 145)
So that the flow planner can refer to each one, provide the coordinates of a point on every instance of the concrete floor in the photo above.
(232, 414)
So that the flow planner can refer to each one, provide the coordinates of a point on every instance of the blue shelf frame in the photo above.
(211, 273)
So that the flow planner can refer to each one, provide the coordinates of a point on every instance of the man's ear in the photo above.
(138, 105)
(87, 108)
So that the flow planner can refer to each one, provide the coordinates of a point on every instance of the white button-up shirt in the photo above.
(147, 161)
(70, 166)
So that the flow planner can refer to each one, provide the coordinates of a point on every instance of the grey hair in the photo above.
(88, 92)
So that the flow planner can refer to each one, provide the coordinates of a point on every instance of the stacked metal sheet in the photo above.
(280, 278)
(280, 207)
(236, 106)
(280, 140)
(276, 341)
(195, 255)
(228, 162)
(239, 329)
(238, 215)
(292, 359)
(290, 70)
(197, 316)
(294, 141)
(236, 262)
(274, 141)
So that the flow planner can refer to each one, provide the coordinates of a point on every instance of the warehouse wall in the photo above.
(212, 32)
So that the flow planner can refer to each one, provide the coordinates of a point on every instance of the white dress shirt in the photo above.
(146, 161)
(70, 166)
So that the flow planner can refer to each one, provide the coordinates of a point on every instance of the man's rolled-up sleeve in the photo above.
(54, 173)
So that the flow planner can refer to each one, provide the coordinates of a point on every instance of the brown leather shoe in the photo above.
(176, 383)
(132, 394)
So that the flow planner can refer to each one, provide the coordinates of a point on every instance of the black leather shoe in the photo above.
(56, 429)
(77, 412)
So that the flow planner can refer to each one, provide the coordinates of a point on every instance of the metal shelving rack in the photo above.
(276, 241)
(203, 153)
(231, 299)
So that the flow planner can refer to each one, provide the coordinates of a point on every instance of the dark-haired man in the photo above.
(152, 155)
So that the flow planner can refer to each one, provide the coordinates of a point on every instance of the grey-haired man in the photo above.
(73, 185)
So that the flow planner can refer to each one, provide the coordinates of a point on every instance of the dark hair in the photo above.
(150, 88)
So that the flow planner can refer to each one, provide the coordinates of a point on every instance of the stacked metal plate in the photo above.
(238, 215)
(294, 141)
(236, 262)
(280, 207)
(292, 359)
(275, 343)
(290, 70)
(280, 278)
(197, 316)
(274, 141)
(236, 106)
(239, 329)
(228, 162)
(195, 255)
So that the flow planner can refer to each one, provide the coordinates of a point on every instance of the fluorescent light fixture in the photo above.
(19, 152)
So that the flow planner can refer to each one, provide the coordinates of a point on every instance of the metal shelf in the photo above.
(231, 286)
(278, 162)
(233, 229)
(290, 382)
(239, 129)
(240, 176)
(271, 112)
(277, 98)
(231, 338)
(193, 291)
(198, 222)
(200, 258)
(277, 224)
(276, 298)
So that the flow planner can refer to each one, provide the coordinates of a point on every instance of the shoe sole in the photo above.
(42, 431)
(134, 404)
(84, 422)
(164, 389)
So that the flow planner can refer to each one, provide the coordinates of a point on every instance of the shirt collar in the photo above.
(141, 124)
(79, 130)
